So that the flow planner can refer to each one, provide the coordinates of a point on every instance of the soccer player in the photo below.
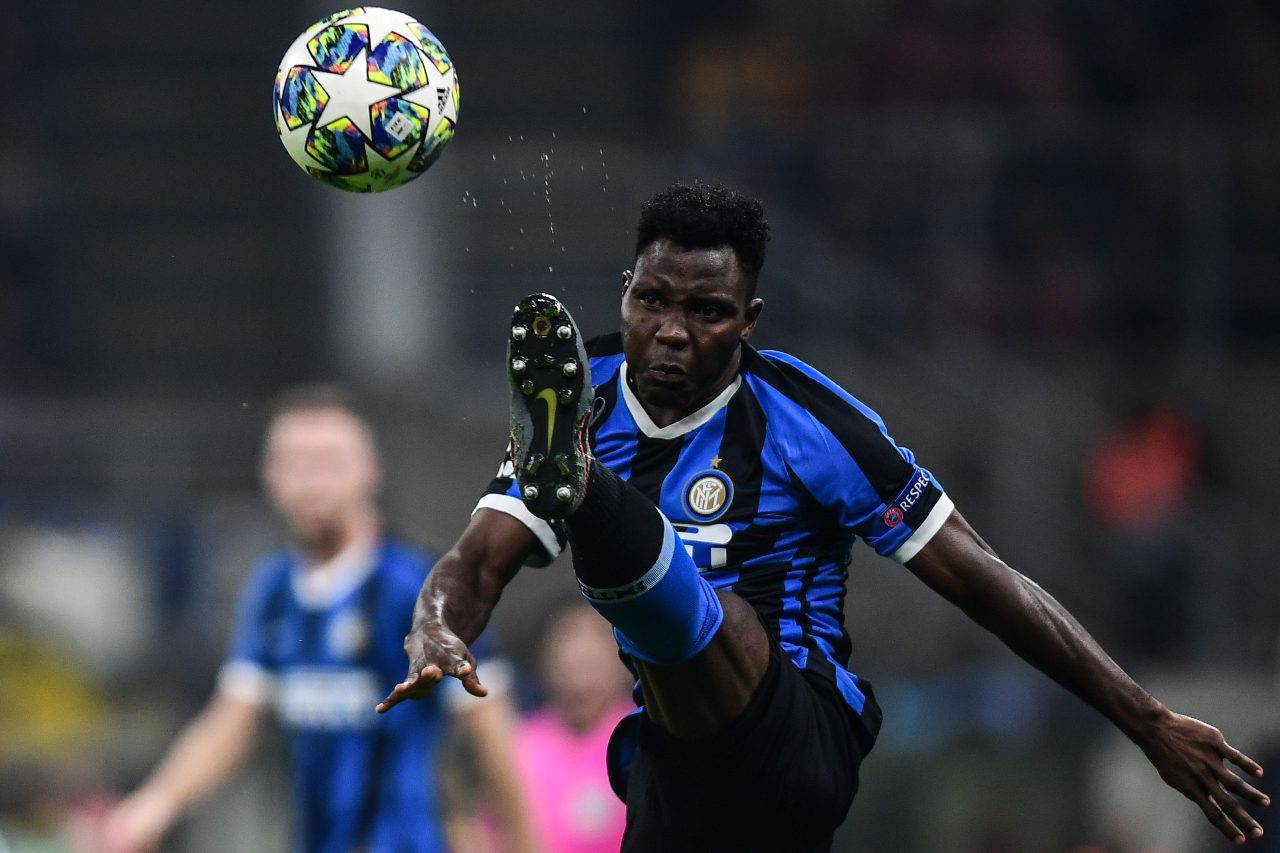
(711, 494)
(320, 629)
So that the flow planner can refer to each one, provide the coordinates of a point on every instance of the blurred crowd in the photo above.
(1058, 175)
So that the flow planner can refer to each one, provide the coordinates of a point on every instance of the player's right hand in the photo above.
(434, 652)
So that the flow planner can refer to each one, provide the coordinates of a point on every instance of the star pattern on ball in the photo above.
(366, 100)
(353, 87)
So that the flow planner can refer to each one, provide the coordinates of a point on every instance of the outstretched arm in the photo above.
(491, 726)
(456, 601)
(211, 748)
(1190, 755)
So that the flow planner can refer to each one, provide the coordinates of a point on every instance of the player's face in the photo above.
(319, 469)
(685, 314)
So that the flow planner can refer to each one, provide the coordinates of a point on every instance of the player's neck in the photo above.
(359, 530)
(664, 416)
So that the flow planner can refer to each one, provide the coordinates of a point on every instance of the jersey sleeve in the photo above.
(250, 670)
(843, 456)
(503, 495)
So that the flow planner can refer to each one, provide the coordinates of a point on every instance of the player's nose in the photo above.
(672, 333)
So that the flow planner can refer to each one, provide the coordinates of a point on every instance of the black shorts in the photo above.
(780, 778)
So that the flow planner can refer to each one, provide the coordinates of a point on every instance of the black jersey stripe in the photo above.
(763, 588)
(603, 405)
(843, 648)
(816, 660)
(740, 457)
(740, 452)
(844, 645)
(861, 437)
(818, 554)
(654, 459)
(603, 345)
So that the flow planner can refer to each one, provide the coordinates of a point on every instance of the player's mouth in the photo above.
(667, 373)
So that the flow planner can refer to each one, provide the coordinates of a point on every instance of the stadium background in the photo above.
(1040, 237)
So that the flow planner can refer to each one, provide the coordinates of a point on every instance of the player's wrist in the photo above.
(1142, 718)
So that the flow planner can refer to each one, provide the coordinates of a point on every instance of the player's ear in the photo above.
(754, 307)
(626, 281)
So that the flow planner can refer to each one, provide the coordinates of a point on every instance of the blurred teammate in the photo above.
(711, 494)
(320, 631)
(560, 748)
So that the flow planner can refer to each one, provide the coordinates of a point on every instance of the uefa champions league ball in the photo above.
(366, 99)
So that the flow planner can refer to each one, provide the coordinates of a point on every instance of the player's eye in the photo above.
(708, 312)
(649, 299)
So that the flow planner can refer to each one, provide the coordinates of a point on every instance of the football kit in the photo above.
(768, 486)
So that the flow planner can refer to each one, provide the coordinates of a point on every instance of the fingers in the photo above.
(1217, 817)
(415, 686)
(465, 672)
(1241, 760)
(1239, 816)
(433, 641)
(1241, 788)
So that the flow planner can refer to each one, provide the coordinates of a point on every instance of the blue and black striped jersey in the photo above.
(768, 486)
(361, 781)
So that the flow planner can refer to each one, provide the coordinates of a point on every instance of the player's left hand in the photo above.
(1192, 757)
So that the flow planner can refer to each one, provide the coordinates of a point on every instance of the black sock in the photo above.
(616, 533)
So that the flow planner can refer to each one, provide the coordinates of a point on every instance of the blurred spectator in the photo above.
(561, 748)
(1140, 482)
(319, 642)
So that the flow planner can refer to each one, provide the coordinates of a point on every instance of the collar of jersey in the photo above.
(686, 424)
(322, 586)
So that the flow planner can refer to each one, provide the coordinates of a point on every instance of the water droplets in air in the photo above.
(547, 172)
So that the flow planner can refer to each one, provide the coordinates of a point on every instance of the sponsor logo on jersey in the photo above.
(708, 494)
(320, 697)
(707, 544)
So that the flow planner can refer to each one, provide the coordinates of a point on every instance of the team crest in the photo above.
(708, 494)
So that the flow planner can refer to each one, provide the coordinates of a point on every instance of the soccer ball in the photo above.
(366, 100)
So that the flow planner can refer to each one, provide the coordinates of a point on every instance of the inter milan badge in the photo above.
(708, 494)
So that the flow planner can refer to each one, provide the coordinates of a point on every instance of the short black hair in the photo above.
(707, 216)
